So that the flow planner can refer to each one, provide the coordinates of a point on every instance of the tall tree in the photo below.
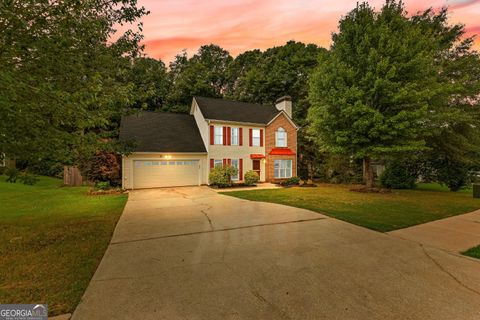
(204, 74)
(61, 75)
(263, 77)
(454, 117)
(150, 83)
(371, 94)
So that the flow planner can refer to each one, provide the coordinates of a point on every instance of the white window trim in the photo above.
(277, 140)
(256, 140)
(237, 177)
(217, 163)
(237, 135)
(216, 135)
(281, 168)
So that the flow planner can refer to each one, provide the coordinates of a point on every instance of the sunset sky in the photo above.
(240, 25)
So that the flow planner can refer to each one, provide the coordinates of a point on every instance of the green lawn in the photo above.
(473, 252)
(382, 212)
(52, 239)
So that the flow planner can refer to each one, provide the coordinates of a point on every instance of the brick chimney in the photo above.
(284, 103)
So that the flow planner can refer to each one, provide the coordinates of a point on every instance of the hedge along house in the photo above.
(180, 150)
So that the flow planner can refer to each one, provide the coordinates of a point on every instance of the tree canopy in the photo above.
(61, 75)
(382, 89)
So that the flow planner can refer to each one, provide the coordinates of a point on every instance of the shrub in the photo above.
(251, 178)
(101, 167)
(291, 181)
(221, 176)
(454, 175)
(341, 169)
(12, 175)
(398, 175)
(102, 185)
(27, 178)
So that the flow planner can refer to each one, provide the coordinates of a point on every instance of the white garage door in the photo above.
(152, 174)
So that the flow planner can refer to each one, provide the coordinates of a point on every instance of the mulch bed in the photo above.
(364, 189)
(105, 192)
(235, 186)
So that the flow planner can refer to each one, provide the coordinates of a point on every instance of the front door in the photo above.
(256, 166)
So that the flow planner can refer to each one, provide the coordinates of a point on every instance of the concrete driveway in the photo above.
(190, 253)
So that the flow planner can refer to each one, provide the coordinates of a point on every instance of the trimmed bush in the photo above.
(221, 176)
(398, 175)
(251, 178)
(291, 181)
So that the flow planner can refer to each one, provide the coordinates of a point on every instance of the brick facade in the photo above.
(281, 121)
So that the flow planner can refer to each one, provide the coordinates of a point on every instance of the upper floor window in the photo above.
(280, 137)
(234, 137)
(218, 134)
(256, 137)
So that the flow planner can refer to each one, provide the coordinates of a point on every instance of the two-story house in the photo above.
(180, 150)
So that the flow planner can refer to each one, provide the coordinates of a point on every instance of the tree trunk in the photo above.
(368, 173)
(310, 171)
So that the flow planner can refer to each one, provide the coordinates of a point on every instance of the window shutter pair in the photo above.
(226, 136)
(251, 137)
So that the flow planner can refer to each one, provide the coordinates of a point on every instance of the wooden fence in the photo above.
(72, 176)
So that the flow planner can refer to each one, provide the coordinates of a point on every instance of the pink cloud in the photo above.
(240, 25)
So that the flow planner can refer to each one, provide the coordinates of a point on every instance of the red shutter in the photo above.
(212, 164)
(250, 137)
(224, 136)
(240, 136)
(229, 136)
(240, 169)
(261, 137)
(229, 161)
(224, 162)
(212, 135)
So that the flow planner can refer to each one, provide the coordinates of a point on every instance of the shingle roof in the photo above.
(162, 132)
(227, 110)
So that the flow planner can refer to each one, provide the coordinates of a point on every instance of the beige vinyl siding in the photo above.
(128, 176)
(201, 123)
(239, 152)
